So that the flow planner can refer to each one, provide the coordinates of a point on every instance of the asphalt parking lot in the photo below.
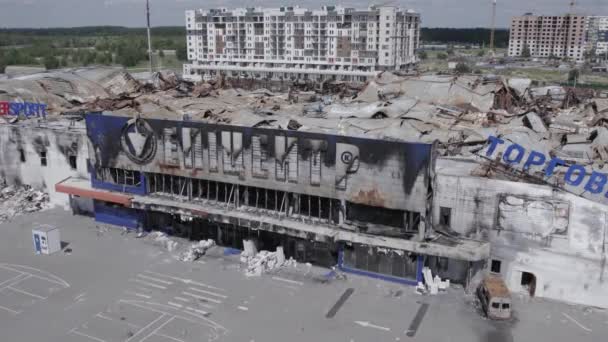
(115, 287)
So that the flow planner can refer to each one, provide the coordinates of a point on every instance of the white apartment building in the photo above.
(597, 34)
(548, 36)
(290, 43)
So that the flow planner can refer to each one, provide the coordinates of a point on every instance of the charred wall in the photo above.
(377, 173)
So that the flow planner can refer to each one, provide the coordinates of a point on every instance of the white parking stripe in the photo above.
(288, 281)
(148, 284)
(12, 279)
(157, 329)
(169, 337)
(138, 294)
(182, 299)
(204, 313)
(208, 292)
(202, 297)
(185, 281)
(10, 310)
(146, 327)
(26, 293)
(155, 279)
(74, 331)
(175, 304)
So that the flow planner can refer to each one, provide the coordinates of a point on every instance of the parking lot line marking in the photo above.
(169, 337)
(148, 284)
(74, 331)
(57, 281)
(208, 292)
(10, 280)
(288, 281)
(146, 327)
(204, 313)
(145, 289)
(10, 310)
(26, 293)
(15, 281)
(185, 281)
(343, 298)
(100, 315)
(182, 299)
(157, 329)
(411, 331)
(166, 282)
(202, 297)
(576, 322)
(138, 294)
(175, 304)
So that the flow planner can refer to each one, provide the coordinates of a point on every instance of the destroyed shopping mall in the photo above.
(464, 175)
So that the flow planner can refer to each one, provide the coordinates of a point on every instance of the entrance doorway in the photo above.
(528, 282)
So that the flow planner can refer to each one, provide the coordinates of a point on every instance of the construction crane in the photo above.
(149, 38)
(492, 32)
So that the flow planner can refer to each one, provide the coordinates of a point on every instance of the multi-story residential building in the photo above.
(296, 43)
(548, 36)
(597, 34)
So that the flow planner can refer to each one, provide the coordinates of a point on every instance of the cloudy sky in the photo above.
(435, 13)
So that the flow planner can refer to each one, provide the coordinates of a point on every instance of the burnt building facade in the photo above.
(363, 204)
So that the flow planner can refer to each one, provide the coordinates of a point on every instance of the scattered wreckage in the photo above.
(19, 200)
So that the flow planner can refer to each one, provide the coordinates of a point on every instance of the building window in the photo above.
(495, 267)
(445, 216)
(72, 161)
(22, 155)
(43, 158)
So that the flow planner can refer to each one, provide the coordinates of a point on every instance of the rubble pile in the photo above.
(18, 200)
(432, 285)
(163, 240)
(197, 250)
(261, 262)
(458, 113)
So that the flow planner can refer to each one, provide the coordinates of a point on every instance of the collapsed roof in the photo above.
(459, 112)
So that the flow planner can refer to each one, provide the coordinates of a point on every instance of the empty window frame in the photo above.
(43, 159)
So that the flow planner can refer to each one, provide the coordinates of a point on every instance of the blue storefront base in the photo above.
(134, 189)
(385, 277)
(118, 216)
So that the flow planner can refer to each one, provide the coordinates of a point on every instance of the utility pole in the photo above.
(572, 4)
(493, 28)
(149, 38)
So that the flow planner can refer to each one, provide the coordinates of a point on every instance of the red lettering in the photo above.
(4, 107)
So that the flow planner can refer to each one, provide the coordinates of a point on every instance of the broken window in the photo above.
(212, 139)
(495, 267)
(374, 215)
(43, 160)
(445, 216)
(232, 152)
(72, 161)
(495, 305)
(259, 156)
(506, 306)
(315, 168)
(22, 155)
(170, 146)
(118, 176)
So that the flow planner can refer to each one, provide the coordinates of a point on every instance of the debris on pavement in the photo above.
(19, 200)
(197, 250)
(265, 261)
(163, 240)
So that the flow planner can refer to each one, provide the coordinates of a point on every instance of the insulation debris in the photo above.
(197, 250)
(163, 240)
(433, 285)
(19, 200)
(264, 261)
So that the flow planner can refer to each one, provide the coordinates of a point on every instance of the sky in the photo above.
(131, 13)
